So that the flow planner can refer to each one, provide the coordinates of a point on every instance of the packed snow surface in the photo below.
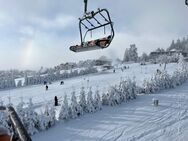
(100, 80)
(131, 121)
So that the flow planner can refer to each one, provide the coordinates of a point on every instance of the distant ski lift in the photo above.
(91, 21)
(186, 2)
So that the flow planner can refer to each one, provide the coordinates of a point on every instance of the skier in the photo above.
(46, 87)
(62, 83)
(114, 71)
(56, 101)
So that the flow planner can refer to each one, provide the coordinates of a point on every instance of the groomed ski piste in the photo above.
(131, 121)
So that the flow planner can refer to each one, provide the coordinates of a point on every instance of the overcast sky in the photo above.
(35, 33)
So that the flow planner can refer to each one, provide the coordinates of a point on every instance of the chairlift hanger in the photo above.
(89, 23)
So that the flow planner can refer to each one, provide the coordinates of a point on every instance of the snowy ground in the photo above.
(135, 120)
(101, 80)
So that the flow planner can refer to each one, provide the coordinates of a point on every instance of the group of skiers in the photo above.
(55, 98)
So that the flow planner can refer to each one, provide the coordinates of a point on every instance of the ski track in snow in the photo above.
(131, 121)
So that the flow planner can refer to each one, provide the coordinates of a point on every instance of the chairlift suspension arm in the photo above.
(186, 2)
(85, 6)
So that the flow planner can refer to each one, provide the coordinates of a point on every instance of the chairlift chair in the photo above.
(90, 22)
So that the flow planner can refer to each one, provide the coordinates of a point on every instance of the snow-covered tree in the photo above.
(76, 109)
(90, 107)
(31, 118)
(64, 111)
(144, 57)
(97, 101)
(131, 54)
(126, 57)
(43, 122)
(20, 109)
(73, 105)
(3, 117)
(50, 114)
(82, 101)
(104, 98)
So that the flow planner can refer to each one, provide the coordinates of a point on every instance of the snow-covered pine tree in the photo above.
(97, 101)
(49, 112)
(90, 107)
(43, 122)
(104, 98)
(52, 115)
(31, 118)
(73, 105)
(114, 96)
(182, 68)
(134, 89)
(125, 90)
(3, 117)
(64, 111)
(147, 87)
(82, 101)
(76, 109)
(20, 109)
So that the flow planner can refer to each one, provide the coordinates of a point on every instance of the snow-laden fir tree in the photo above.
(114, 96)
(3, 117)
(97, 101)
(49, 112)
(21, 110)
(133, 88)
(125, 90)
(52, 114)
(182, 68)
(31, 118)
(181, 74)
(76, 109)
(90, 107)
(73, 105)
(64, 111)
(118, 94)
(82, 101)
(43, 122)
(147, 86)
(165, 80)
(105, 98)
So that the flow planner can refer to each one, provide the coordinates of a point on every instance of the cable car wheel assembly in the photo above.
(90, 22)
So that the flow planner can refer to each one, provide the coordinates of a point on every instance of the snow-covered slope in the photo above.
(101, 80)
(136, 120)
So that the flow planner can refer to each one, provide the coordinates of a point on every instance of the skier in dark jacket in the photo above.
(46, 87)
(56, 101)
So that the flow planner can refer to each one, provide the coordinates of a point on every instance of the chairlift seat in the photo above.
(87, 23)
(92, 45)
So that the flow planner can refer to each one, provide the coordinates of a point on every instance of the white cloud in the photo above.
(59, 22)
(27, 30)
